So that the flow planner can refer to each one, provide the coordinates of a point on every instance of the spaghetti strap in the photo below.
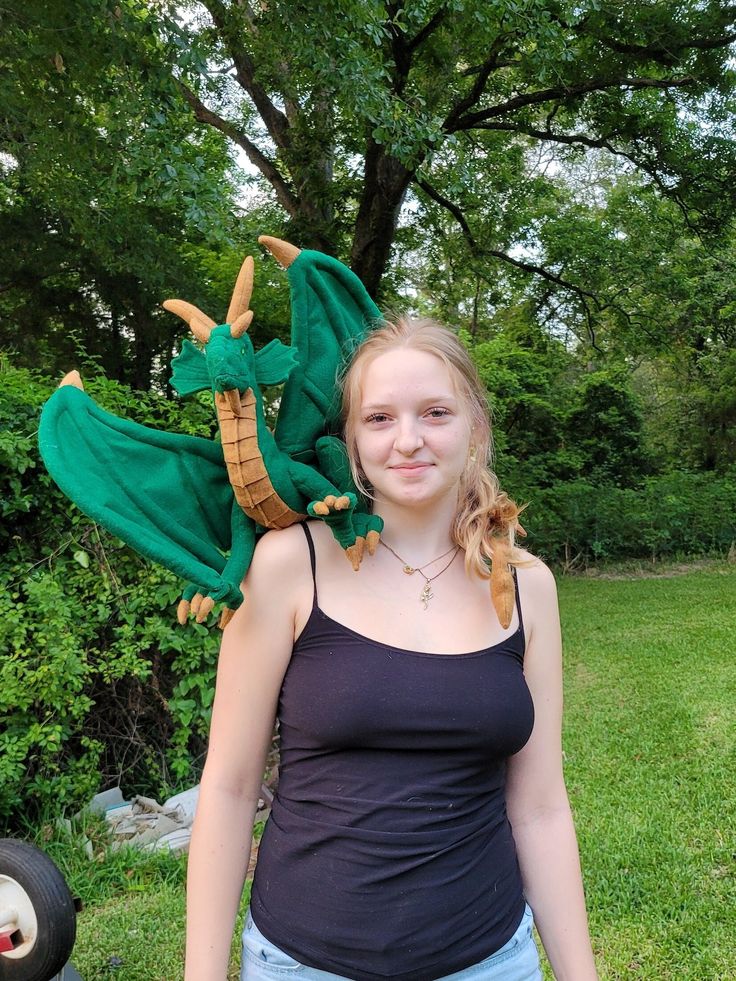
(313, 560)
(518, 604)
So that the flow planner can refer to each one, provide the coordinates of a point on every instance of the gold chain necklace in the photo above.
(426, 594)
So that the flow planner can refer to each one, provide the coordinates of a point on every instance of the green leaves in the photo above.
(92, 652)
(82, 558)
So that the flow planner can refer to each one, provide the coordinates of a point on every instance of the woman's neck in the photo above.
(418, 534)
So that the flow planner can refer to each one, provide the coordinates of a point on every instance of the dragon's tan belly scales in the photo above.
(253, 489)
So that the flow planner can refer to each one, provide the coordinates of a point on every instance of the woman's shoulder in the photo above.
(535, 577)
(280, 553)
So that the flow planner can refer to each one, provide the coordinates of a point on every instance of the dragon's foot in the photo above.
(200, 606)
(331, 504)
(356, 552)
(339, 513)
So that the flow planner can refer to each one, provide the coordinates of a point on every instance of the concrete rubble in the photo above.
(144, 823)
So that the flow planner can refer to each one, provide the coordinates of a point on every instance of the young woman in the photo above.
(421, 813)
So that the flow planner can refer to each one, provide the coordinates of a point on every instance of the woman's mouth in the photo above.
(410, 469)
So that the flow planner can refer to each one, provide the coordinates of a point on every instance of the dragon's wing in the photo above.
(166, 495)
(330, 314)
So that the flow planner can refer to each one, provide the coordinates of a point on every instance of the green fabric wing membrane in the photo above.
(167, 495)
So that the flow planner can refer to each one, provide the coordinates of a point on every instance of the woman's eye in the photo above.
(377, 417)
(437, 412)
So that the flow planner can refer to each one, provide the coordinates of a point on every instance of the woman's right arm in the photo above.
(255, 651)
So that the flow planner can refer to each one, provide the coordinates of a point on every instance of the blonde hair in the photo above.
(486, 519)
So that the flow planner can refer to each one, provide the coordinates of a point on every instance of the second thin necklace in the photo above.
(426, 594)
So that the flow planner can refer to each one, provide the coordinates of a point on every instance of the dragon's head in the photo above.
(228, 364)
(227, 347)
(230, 359)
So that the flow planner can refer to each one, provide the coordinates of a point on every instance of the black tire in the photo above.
(53, 906)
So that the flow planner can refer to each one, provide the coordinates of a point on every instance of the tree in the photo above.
(97, 184)
(123, 116)
(604, 430)
(344, 107)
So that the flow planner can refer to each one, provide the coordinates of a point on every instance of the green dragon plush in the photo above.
(197, 506)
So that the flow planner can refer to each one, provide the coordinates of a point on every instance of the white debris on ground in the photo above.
(144, 823)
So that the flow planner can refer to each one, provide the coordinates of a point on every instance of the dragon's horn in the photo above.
(242, 292)
(239, 327)
(283, 252)
(72, 378)
(200, 324)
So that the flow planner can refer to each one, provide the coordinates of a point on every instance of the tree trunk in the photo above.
(384, 189)
(143, 330)
(116, 349)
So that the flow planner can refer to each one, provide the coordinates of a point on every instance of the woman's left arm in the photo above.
(537, 802)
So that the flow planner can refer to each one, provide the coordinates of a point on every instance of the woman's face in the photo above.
(413, 432)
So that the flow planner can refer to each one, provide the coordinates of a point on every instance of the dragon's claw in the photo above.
(331, 504)
(205, 608)
(355, 552)
(225, 617)
(371, 540)
(200, 607)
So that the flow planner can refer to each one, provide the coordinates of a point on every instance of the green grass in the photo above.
(651, 770)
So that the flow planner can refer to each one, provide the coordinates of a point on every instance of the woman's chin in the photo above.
(413, 493)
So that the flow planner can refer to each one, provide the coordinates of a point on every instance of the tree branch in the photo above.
(564, 92)
(597, 143)
(429, 28)
(583, 295)
(284, 194)
(656, 50)
(275, 121)
(477, 250)
(483, 72)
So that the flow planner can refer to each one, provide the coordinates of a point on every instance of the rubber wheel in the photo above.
(29, 880)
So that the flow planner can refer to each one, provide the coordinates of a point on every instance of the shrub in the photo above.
(98, 683)
(671, 515)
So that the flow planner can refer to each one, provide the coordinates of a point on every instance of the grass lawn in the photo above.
(650, 747)
(650, 759)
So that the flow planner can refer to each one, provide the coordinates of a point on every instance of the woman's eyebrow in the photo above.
(429, 400)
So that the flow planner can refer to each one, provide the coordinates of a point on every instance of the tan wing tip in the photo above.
(503, 593)
(225, 617)
(182, 612)
(503, 611)
(283, 252)
(72, 378)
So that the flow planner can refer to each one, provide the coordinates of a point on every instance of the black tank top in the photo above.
(388, 852)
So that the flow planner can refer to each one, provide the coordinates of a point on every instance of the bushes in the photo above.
(672, 515)
(98, 683)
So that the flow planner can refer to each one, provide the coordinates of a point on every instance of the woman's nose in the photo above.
(408, 438)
